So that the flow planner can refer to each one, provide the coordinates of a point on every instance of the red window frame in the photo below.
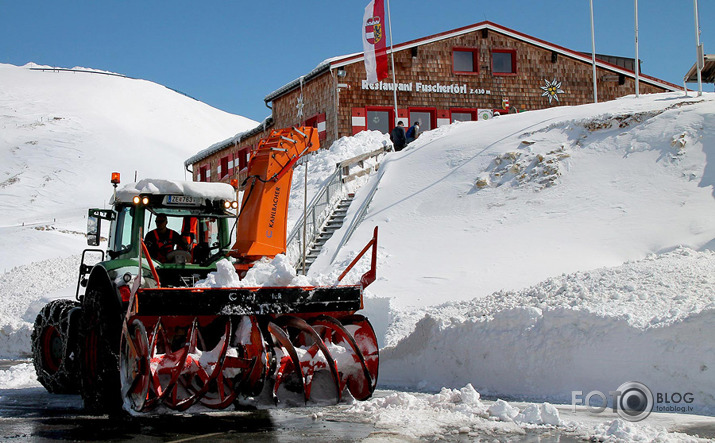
(312, 122)
(203, 173)
(475, 60)
(242, 158)
(513, 61)
(471, 111)
(391, 113)
(224, 166)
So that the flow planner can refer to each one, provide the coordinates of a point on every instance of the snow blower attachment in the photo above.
(145, 335)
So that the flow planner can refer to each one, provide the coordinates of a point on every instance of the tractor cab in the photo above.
(198, 214)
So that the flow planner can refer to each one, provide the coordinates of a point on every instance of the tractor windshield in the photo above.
(201, 235)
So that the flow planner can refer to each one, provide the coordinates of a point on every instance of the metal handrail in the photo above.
(357, 219)
(322, 205)
(318, 210)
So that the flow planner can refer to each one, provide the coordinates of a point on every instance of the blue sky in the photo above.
(232, 54)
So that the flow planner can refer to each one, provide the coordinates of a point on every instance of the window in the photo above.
(204, 174)
(463, 115)
(223, 167)
(465, 60)
(123, 229)
(380, 119)
(243, 158)
(503, 61)
(424, 116)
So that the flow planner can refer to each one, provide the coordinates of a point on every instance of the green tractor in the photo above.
(165, 319)
(75, 343)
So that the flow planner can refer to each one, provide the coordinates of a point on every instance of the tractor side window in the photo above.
(124, 229)
(208, 231)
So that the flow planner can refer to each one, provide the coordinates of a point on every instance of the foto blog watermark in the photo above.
(634, 401)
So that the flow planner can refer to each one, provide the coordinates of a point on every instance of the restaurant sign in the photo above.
(438, 88)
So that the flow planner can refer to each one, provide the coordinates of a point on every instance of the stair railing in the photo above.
(316, 213)
(325, 201)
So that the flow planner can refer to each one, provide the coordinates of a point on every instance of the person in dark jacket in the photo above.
(413, 133)
(398, 136)
(162, 240)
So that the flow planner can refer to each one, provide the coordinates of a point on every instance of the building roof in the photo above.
(707, 75)
(235, 140)
(337, 62)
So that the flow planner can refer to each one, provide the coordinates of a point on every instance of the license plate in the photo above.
(182, 200)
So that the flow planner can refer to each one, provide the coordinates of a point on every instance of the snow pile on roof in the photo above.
(204, 190)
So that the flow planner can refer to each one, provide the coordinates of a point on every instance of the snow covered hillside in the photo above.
(478, 207)
(62, 134)
(473, 213)
(528, 256)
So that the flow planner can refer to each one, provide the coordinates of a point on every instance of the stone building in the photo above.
(469, 73)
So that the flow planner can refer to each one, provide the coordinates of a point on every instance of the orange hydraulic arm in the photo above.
(264, 211)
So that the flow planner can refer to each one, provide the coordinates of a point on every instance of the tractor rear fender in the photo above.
(100, 332)
(100, 281)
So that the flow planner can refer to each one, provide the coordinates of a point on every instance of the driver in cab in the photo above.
(162, 240)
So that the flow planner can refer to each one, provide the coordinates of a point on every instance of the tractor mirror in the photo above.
(93, 230)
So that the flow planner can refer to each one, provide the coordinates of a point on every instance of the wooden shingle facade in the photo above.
(470, 73)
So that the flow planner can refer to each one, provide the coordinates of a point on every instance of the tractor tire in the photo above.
(100, 334)
(54, 347)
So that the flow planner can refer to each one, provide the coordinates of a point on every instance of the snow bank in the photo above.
(461, 413)
(476, 207)
(26, 289)
(643, 321)
(19, 376)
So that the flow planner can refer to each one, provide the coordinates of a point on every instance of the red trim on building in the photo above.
(359, 120)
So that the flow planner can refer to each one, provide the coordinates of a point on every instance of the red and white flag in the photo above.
(374, 42)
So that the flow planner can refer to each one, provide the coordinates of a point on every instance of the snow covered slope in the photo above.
(558, 200)
(62, 134)
(478, 207)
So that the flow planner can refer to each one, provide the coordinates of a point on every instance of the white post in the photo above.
(637, 59)
(392, 56)
(593, 56)
(698, 63)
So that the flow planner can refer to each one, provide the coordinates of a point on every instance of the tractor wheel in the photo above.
(54, 347)
(101, 329)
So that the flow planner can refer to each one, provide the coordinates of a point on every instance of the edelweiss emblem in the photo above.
(552, 90)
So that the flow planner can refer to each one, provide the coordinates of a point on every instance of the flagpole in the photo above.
(637, 61)
(392, 57)
(593, 56)
(699, 60)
